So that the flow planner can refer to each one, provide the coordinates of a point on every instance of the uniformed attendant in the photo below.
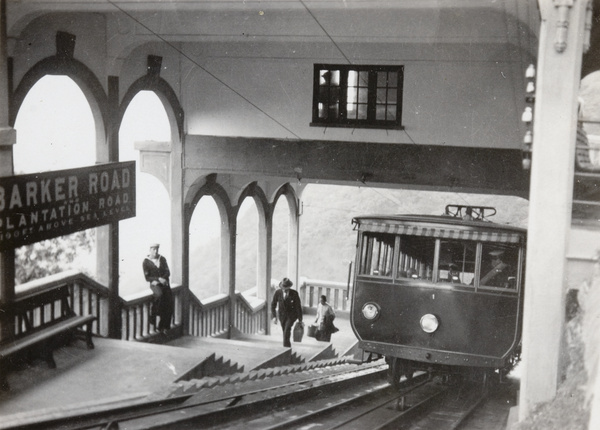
(157, 273)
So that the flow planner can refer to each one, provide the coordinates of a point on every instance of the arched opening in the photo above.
(281, 236)
(246, 258)
(55, 131)
(205, 249)
(145, 120)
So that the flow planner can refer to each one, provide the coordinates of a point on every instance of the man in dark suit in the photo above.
(290, 309)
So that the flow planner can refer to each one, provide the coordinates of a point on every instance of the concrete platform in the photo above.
(117, 372)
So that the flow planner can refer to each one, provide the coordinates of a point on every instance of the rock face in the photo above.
(577, 403)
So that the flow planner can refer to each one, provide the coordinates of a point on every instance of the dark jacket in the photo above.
(290, 308)
(152, 273)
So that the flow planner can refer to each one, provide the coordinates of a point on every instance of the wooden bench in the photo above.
(43, 321)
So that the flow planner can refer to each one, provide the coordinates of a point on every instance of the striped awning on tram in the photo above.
(441, 232)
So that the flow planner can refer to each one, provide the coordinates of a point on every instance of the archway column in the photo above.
(555, 123)
(228, 265)
(265, 264)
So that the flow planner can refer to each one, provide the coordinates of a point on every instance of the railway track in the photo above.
(420, 404)
(340, 397)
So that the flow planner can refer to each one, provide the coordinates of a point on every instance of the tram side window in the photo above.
(376, 254)
(457, 261)
(499, 266)
(415, 259)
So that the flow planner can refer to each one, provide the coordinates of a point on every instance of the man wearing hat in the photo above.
(157, 273)
(497, 275)
(287, 302)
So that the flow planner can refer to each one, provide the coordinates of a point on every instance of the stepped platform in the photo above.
(119, 372)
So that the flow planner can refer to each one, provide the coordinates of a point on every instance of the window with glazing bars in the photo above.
(357, 96)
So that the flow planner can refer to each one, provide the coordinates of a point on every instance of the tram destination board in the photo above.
(45, 205)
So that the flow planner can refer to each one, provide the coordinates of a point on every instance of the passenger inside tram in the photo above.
(497, 269)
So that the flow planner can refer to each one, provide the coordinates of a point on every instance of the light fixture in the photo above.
(526, 159)
(530, 87)
(527, 116)
(530, 72)
(429, 323)
(370, 311)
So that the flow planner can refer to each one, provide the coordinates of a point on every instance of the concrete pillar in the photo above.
(8, 138)
(265, 250)
(555, 123)
(228, 259)
(265, 263)
(177, 231)
(293, 263)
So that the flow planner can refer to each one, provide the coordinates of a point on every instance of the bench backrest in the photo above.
(41, 308)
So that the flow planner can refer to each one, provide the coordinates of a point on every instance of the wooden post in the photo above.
(8, 138)
(114, 301)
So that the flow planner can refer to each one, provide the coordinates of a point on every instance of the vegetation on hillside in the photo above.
(327, 239)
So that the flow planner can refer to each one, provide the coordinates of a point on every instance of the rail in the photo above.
(135, 315)
(211, 317)
(207, 318)
(336, 292)
(87, 297)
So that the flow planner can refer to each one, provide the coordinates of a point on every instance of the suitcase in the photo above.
(312, 331)
(298, 331)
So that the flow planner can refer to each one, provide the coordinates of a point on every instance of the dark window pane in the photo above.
(392, 95)
(381, 79)
(391, 113)
(363, 95)
(362, 112)
(381, 95)
(393, 80)
(363, 80)
(380, 112)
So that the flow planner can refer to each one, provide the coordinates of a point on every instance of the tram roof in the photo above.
(442, 226)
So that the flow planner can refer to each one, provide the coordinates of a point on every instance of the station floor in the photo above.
(117, 372)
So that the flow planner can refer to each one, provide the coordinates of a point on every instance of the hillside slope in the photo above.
(327, 239)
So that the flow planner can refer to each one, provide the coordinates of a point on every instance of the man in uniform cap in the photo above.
(157, 273)
(287, 303)
(497, 276)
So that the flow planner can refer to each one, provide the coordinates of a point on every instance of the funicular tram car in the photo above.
(442, 294)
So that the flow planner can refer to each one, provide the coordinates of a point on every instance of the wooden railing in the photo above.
(206, 318)
(135, 315)
(251, 313)
(211, 317)
(311, 291)
(87, 297)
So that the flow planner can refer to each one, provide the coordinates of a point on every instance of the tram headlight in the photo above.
(370, 311)
(429, 323)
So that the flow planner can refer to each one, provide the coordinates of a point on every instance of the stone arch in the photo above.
(256, 193)
(265, 228)
(81, 75)
(287, 191)
(164, 92)
(227, 214)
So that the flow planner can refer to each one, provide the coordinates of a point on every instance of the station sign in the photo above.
(45, 205)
